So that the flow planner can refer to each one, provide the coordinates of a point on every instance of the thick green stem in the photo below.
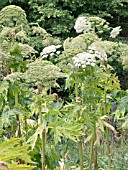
(95, 151)
(40, 88)
(93, 148)
(108, 149)
(16, 98)
(95, 159)
(107, 135)
(81, 154)
(91, 154)
(76, 87)
(17, 116)
(80, 141)
(43, 150)
(25, 125)
(42, 139)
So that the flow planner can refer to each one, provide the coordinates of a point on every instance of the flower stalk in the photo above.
(43, 133)
(80, 148)
(91, 154)
(95, 151)
(17, 116)
(107, 135)
(80, 153)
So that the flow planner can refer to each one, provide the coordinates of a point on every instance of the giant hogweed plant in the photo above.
(92, 83)
(101, 89)
(11, 16)
(92, 78)
(14, 54)
(39, 38)
(14, 27)
(14, 57)
(43, 75)
(89, 36)
(14, 110)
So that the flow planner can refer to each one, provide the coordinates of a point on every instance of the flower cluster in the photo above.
(26, 50)
(82, 60)
(14, 77)
(115, 31)
(98, 53)
(50, 50)
(82, 25)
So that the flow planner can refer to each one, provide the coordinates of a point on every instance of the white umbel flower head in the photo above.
(101, 55)
(115, 31)
(98, 53)
(49, 50)
(82, 25)
(83, 60)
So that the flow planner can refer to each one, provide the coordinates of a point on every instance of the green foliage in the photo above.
(116, 51)
(69, 130)
(3, 93)
(28, 105)
(99, 25)
(3, 4)
(12, 15)
(119, 162)
(58, 14)
(39, 38)
(117, 54)
(43, 72)
(13, 52)
(58, 17)
(12, 152)
(73, 46)
(36, 35)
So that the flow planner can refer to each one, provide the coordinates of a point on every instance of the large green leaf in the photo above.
(13, 151)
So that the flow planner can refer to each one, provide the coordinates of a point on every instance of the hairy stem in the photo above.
(25, 125)
(17, 116)
(42, 139)
(108, 149)
(94, 135)
(80, 139)
(43, 150)
(80, 154)
(91, 154)
(95, 151)
(76, 87)
(107, 135)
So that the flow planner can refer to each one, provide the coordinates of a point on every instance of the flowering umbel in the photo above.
(98, 53)
(82, 25)
(115, 31)
(50, 50)
(82, 60)
(43, 72)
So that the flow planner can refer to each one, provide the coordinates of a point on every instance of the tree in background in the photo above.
(58, 16)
